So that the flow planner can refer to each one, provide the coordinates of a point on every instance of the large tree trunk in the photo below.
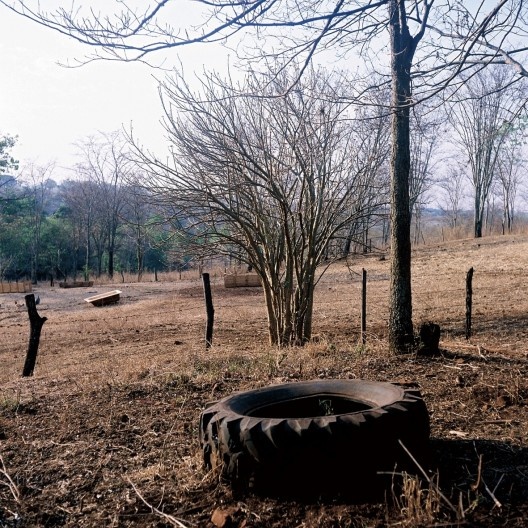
(400, 303)
(478, 217)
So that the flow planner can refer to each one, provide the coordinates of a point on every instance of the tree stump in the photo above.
(429, 339)
(36, 322)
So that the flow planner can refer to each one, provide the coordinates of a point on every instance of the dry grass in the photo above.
(108, 424)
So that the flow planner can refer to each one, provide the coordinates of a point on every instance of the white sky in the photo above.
(50, 107)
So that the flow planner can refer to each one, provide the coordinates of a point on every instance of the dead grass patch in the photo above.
(114, 404)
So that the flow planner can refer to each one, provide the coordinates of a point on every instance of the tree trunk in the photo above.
(273, 332)
(140, 253)
(478, 216)
(111, 262)
(347, 244)
(87, 259)
(308, 318)
(99, 263)
(478, 227)
(400, 304)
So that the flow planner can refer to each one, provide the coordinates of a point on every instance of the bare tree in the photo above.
(80, 198)
(425, 128)
(105, 162)
(510, 167)
(270, 180)
(452, 186)
(487, 106)
(370, 131)
(430, 43)
(136, 217)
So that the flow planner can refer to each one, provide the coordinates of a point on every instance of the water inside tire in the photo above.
(309, 407)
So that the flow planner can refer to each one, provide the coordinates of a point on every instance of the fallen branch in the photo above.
(498, 422)
(492, 493)
(479, 350)
(166, 516)
(10, 484)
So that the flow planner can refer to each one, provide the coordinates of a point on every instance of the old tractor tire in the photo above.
(315, 437)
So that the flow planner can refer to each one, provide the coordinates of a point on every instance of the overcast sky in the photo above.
(50, 107)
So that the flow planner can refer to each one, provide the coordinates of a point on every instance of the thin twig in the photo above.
(488, 491)
(10, 484)
(476, 485)
(492, 493)
(497, 485)
(170, 518)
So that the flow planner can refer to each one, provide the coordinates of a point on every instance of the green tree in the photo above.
(38, 189)
(15, 238)
(7, 162)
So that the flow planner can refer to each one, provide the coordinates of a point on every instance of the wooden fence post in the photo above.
(209, 309)
(36, 322)
(469, 301)
(364, 307)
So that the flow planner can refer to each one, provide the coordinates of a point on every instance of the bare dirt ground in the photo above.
(105, 432)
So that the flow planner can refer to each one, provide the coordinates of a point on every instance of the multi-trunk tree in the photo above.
(270, 179)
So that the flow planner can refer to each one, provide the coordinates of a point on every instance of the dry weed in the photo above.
(418, 504)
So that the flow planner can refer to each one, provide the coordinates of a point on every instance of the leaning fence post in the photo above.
(469, 301)
(364, 307)
(36, 322)
(209, 309)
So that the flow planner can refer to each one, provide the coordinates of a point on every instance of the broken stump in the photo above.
(36, 323)
(429, 339)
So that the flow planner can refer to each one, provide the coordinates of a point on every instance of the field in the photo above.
(105, 432)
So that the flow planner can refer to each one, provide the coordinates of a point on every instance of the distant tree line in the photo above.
(249, 172)
(80, 228)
